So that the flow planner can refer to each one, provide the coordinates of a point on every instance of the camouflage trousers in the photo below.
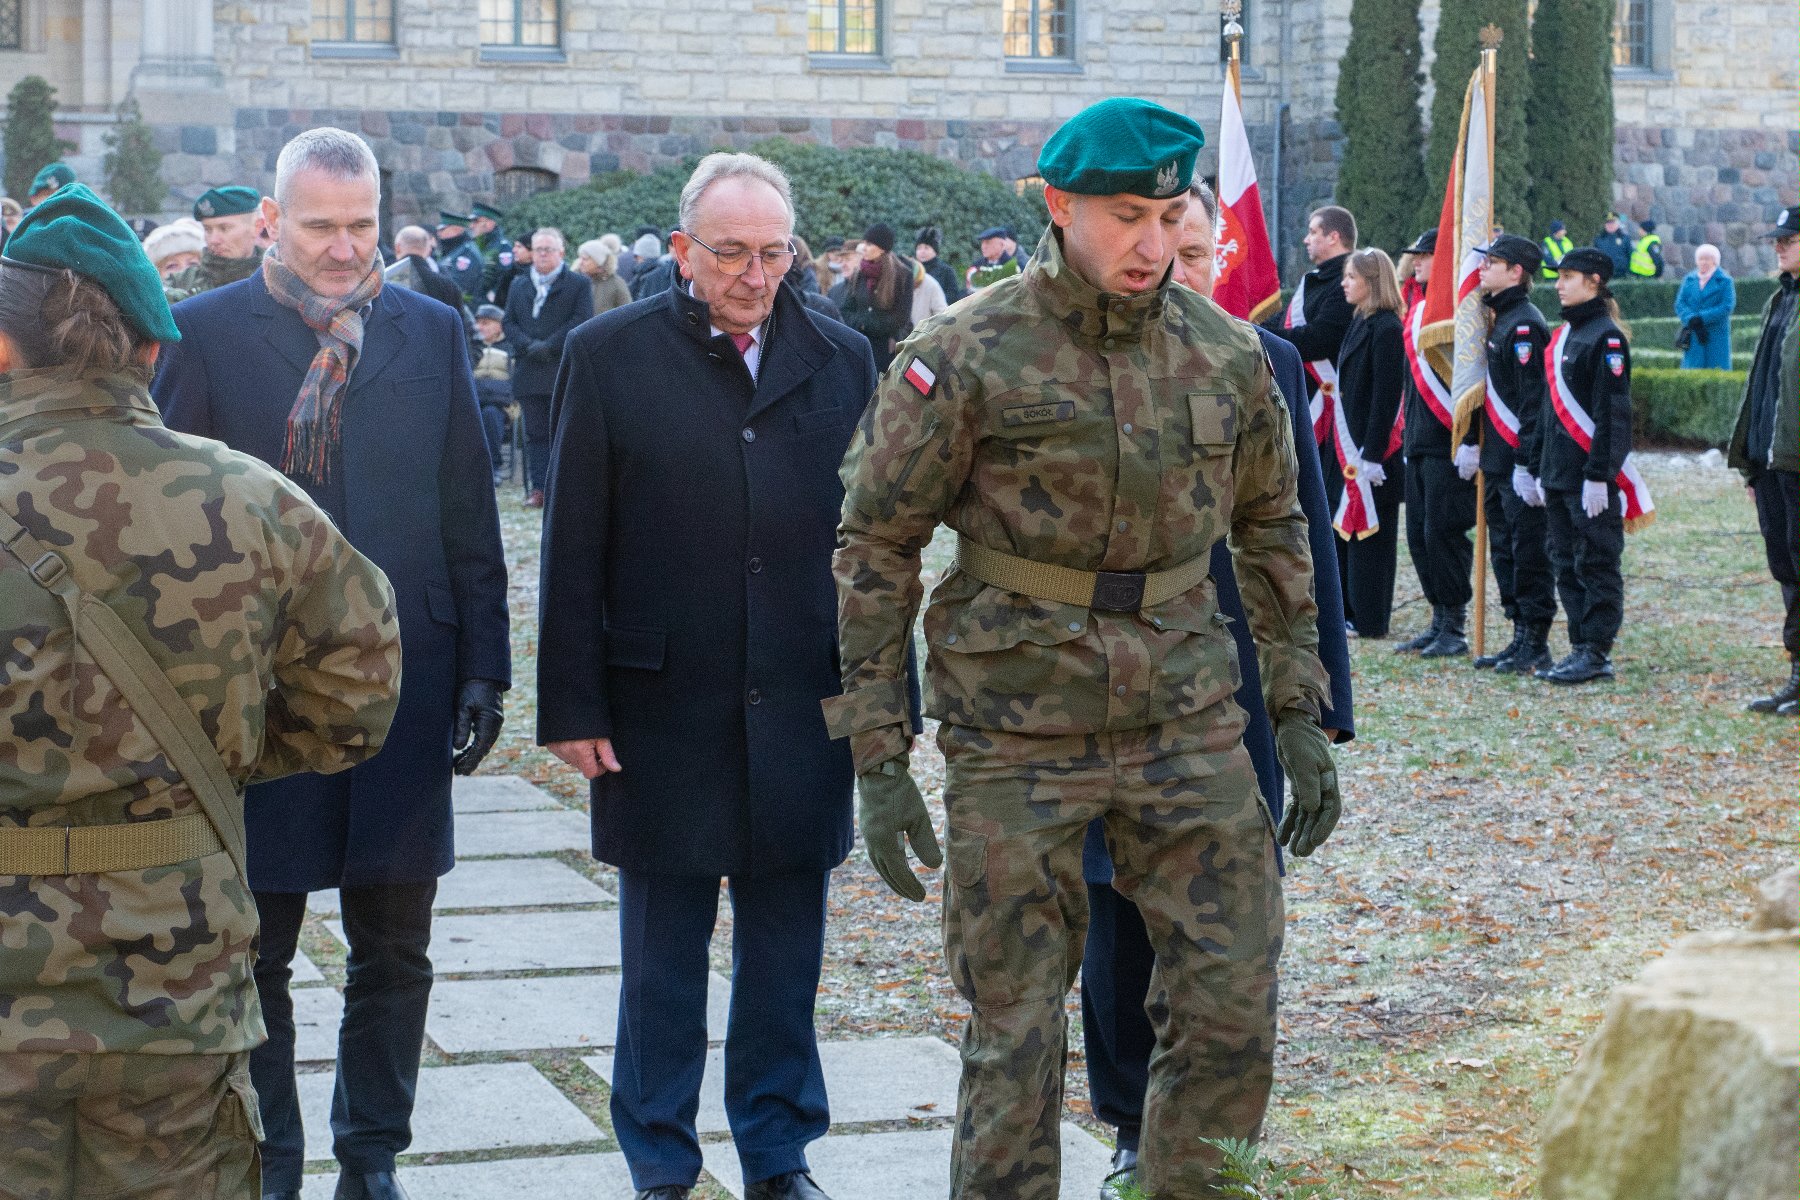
(128, 1127)
(1191, 846)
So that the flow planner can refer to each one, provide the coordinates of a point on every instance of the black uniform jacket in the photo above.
(1371, 374)
(1328, 316)
(1596, 364)
(1516, 344)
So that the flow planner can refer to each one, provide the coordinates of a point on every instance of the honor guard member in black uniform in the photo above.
(1765, 446)
(458, 256)
(1440, 503)
(1589, 374)
(1512, 426)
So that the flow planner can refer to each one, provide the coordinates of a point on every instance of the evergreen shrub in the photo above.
(1686, 408)
(31, 141)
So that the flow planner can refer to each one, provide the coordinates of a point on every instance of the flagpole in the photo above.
(1490, 55)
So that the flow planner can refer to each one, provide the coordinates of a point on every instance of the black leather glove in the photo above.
(477, 723)
(540, 351)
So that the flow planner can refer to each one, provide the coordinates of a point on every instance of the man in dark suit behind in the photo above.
(362, 394)
(543, 306)
(688, 634)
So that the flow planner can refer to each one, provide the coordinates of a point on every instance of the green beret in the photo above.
(74, 230)
(490, 212)
(446, 217)
(50, 178)
(1123, 145)
(226, 202)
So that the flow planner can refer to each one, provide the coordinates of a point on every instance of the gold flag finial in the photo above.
(1232, 10)
(1492, 36)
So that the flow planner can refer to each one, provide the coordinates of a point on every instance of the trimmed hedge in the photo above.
(1647, 298)
(1675, 407)
(836, 192)
(1658, 333)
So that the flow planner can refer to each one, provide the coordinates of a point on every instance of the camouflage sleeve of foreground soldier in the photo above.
(1271, 554)
(906, 464)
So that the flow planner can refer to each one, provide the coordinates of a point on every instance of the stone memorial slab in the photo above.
(499, 834)
(520, 941)
(498, 883)
(318, 1011)
(305, 970)
(497, 793)
(569, 1177)
(910, 1164)
(560, 1012)
(484, 1107)
(876, 1079)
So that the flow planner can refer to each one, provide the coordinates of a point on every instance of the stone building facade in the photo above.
(460, 106)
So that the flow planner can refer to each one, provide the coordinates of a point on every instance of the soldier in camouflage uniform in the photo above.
(127, 1006)
(230, 217)
(1089, 431)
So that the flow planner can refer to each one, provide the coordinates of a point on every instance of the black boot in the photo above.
(1587, 664)
(1533, 652)
(1450, 641)
(1418, 642)
(1787, 693)
(1505, 652)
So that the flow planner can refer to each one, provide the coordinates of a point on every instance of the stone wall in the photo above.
(1723, 186)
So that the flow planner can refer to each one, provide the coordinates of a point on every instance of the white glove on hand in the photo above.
(1526, 488)
(1594, 498)
(1375, 473)
(1468, 461)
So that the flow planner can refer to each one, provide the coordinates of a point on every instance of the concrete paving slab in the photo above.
(317, 1014)
(485, 1107)
(497, 793)
(560, 1012)
(909, 1165)
(498, 883)
(520, 941)
(569, 1177)
(305, 970)
(875, 1079)
(497, 834)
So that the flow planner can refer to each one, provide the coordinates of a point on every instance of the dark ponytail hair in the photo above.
(56, 318)
(1612, 310)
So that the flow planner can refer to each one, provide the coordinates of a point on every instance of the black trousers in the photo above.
(386, 990)
(1778, 512)
(1585, 553)
(1366, 566)
(535, 412)
(1518, 550)
(1115, 979)
(493, 428)
(1440, 511)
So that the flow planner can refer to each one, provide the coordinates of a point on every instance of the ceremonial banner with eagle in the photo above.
(1246, 283)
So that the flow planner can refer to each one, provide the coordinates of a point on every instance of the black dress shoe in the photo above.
(670, 1192)
(794, 1185)
(1505, 652)
(1122, 1175)
(376, 1185)
(1787, 693)
(1583, 666)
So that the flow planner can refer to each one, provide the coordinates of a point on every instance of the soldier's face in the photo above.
(327, 230)
(742, 214)
(1121, 244)
(1194, 262)
(231, 237)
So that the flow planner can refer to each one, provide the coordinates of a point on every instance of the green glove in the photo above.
(1305, 754)
(892, 813)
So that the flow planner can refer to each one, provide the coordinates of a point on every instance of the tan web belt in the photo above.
(85, 849)
(1110, 591)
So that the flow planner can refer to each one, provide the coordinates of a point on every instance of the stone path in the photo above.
(523, 1018)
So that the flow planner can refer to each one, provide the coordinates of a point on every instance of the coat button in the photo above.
(755, 696)
(1124, 525)
(756, 566)
(1119, 691)
(1074, 626)
(951, 640)
(749, 435)
(1112, 343)
(1126, 428)
(693, 318)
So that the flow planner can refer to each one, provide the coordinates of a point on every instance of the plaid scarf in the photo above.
(314, 423)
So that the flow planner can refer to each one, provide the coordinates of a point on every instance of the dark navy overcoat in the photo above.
(415, 494)
(687, 605)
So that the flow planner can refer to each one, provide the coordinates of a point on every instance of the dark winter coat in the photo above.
(1516, 344)
(1596, 364)
(1371, 375)
(1328, 315)
(537, 342)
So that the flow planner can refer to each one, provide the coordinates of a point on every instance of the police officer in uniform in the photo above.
(1511, 430)
(1765, 446)
(1646, 254)
(1554, 247)
(490, 239)
(1615, 243)
(130, 1011)
(1090, 431)
(229, 217)
(459, 258)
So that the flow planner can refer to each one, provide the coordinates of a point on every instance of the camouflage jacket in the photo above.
(210, 272)
(281, 638)
(1088, 430)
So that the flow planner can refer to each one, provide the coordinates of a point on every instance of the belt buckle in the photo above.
(1118, 591)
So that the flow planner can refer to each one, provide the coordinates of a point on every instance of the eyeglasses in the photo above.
(734, 260)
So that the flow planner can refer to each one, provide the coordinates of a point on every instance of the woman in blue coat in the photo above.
(1704, 306)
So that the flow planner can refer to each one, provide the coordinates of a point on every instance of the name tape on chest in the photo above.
(922, 377)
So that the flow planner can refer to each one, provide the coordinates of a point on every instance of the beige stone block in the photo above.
(883, 89)
(552, 98)
(658, 85)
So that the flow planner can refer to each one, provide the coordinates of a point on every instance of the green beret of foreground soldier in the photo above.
(1123, 146)
(74, 229)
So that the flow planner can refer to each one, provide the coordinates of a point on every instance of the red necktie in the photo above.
(742, 341)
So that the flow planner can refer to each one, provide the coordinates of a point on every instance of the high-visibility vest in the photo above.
(1554, 249)
(1641, 262)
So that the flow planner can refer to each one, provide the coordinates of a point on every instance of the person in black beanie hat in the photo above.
(878, 302)
(929, 244)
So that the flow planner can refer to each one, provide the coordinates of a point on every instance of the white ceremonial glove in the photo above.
(1526, 488)
(1468, 461)
(1375, 473)
(1594, 498)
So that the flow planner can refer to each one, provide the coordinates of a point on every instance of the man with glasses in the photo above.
(1765, 446)
(542, 306)
(688, 638)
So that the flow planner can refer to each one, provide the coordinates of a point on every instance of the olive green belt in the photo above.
(1109, 591)
(96, 849)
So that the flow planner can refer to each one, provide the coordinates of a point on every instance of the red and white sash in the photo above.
(1580, 426)
(1324, 374)
(1504, 418)
(1436, 395)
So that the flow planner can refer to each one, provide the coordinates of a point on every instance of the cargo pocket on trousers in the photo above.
(245, 1093)
(968, 859)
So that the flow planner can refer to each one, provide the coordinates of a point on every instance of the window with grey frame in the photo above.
(1633, 36)
(843, 27)
(353, 22)
(12, 24)
(521, 24)
(1039, 29)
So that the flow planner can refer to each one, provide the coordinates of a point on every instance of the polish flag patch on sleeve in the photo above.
(920, 376)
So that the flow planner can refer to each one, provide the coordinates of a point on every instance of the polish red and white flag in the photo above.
(1245, 281)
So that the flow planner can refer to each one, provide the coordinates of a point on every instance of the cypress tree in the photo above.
(31, 141)
(1458, 47)
(1378, 109)
(134, 164)
(1571, 115)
